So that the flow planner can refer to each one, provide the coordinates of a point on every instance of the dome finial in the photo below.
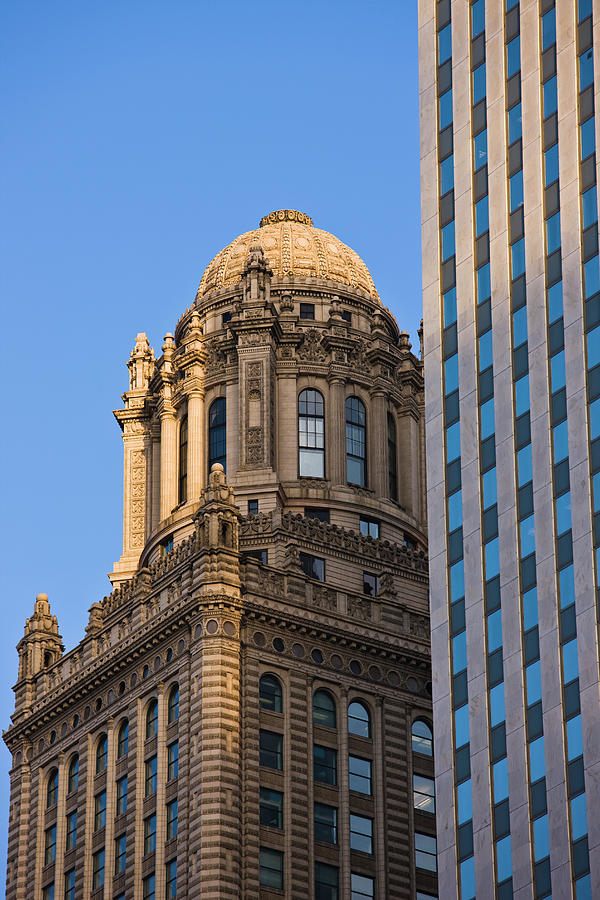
(286, 215)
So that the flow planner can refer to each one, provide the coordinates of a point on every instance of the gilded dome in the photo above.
(293, 247)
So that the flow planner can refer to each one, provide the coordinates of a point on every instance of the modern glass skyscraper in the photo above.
(511, 291)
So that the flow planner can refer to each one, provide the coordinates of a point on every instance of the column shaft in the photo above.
(196, 445)
(168, 464)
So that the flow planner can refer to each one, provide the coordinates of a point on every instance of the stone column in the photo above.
(168, 461)
(377, 445)
(19, 837)
(155, 508)
(161, 769)
(335, 450)
(196, 445)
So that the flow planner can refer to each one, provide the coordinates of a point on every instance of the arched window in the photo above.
(183, 459)
(324, 709)
(422, 738)
(217, 440)
(356, 441)
(392, 458)
(173, 707)
(52, 789)
(311, 435)
(101, 754)
(152, 719)
(123, 740)
(270, 694)
(73, 777)
(359, 720)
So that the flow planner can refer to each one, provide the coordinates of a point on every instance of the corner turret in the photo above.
(38, 649)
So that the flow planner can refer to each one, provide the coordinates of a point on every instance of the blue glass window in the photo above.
(485, 350)
(555, 302)
(500, 778)
(578, 817)
(537, 764)
(467, 879)
(524, 465)
(453, 442)
(479, 83)
(480, 149)
(553, 233)
(459, 653)
(593, 347)
(588, 138)
(527, 535)
(517, 253)
(445, 109)
(516, 190)
(515, 126)
(541, 841)
(574, 738)
(586, 68)
(522, 395)
(497, 711)
(482, 217)
(503, 858)
(566, 583)
(455, 511)
(465, 802)
(513, 56)
(530, 609)
(519, 326)
(494, 631)
(477, 18)
(595, 419)
(492, 559)
(557, 371)
(449, 307)
(490, 491)
(483, 283)
(448, 245)
(596, 491)
(549, 29)
(570, 664)
(487, 419)
(356, 441)
(560, 440)
(589, 204)
(550, 98)
(551, 165)
(585, 9)
(591, 277)
(534, 684)
(461, 725)
(451, 374)
(447, 174)
(217, 439)
(583, 888)
(444, 44)
(457, 581)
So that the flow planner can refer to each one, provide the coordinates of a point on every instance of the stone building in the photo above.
(249, 712)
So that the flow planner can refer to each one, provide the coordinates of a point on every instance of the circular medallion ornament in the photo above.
(259, 639)
(212, 626)
(229, 629)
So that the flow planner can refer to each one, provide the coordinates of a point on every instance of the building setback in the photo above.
(508, 93)
(249, 712)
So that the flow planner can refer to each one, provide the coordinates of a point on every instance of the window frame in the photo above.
(422, 739)
(392, 450)
(269, 805)
(278, 854)
(100, 810)
(276, 694)
(123, 739)
(98, 871)
(50, 845)
(73, 774)
(358, 702)
(311, 397)
(324, 824)
(307, 562)
(120, 853)
(324, 711)
(150, 833)
(356, 439)
(121, 796)
(71, 830)
(217, 432)
(150, 775)
(172, 822)
(173, 705)
(151, 720)
(52, 789)
(276, 753)
(101, 754)
(363, 834)
(172, 760)
(331, 754)
(182, 460)
(357, 775)
(420, 806)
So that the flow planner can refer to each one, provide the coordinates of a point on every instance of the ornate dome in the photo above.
(293, 247)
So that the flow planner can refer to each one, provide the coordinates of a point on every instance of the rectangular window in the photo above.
(444, 44)
(447, 175)
(48, 892)
(362, 887)
(271, 749)
(150, 834)
(314, 512)
(307, 310)
(325, 764)
(70, 885)
(325, 823)
(313, 566)
(515, 124)
(445, 109)
(149, 887)
(359, 774)
(326, 882)
(478, 83)
(482, 216)
(586, 69)
(448, 241)
(122, 795)
(172, 821)
(361, 833)
(590, 207)
(261, 555)
(271, 868)
(98, 869)
(480, 149)
(99, 810)
(50, 845)
(150, 776)
(423, 793)
(369, 527)
(120, 853)
(588, 138)
(225, 318)
(172, 760)
(513, 56)
(271, 808)
(252, 507)
(346, 316)
(550, 97)
(553, 233)
(71, 830)
(370, 584)
(550, 165)
(171, 879)
(549, 29)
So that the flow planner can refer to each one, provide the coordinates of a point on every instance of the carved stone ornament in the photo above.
(311, 347)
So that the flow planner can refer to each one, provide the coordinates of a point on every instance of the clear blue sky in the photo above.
(137, 139)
